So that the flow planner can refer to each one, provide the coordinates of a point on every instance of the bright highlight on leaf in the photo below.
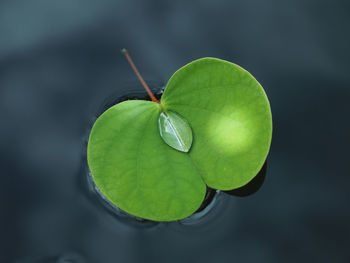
(212, 109)
(175, 131)
(230, 118)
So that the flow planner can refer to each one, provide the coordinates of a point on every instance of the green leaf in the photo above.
(230, 118)
(231, 123)
(136, 170)
(175, 131)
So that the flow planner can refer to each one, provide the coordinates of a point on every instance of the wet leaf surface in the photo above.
(175, 131)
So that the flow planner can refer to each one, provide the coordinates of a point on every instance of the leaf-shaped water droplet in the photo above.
(175, 131)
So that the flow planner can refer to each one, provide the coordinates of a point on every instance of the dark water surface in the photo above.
(60, 64)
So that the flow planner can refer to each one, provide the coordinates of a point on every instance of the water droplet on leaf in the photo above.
(175, 131)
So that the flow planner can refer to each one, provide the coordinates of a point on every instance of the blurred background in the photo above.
(59, 63)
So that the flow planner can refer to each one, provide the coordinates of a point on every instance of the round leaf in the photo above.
(230, 118)
(175, 131)
(136, 170)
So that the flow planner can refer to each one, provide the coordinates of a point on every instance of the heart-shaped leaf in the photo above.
(231, 123)
(175, 131)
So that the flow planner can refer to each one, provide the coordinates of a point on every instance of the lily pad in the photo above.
(231, 123)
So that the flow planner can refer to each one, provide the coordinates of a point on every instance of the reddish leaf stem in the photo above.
(144, 84)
